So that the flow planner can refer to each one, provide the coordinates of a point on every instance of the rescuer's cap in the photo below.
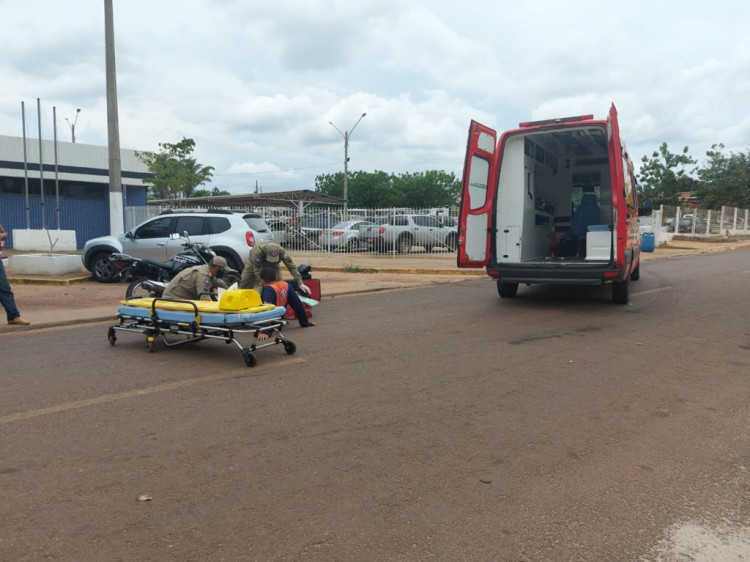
(273, 252)
(219, 262)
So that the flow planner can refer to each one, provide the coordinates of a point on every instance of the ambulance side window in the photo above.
(478, 179)
(628, 185)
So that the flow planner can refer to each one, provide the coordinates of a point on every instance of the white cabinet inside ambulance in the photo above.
(551, 202)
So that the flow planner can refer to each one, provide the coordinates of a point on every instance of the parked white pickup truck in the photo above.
(401, 232)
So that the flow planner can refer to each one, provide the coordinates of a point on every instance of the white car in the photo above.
(278, 228)
(343, 236)
(229, 234)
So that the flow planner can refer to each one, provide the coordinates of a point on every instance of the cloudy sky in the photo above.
(256, 84)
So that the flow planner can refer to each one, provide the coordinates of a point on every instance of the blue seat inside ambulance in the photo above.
(586, 214)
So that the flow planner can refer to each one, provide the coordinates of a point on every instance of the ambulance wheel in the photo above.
(250, 359)
(111, 336)
(289, 347)
(507, 290)
(621, 291)
(635, 275)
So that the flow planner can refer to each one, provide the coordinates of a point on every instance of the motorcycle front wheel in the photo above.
(231, 278)
(136, 290)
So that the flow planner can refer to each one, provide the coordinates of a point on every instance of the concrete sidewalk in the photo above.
(76, 298)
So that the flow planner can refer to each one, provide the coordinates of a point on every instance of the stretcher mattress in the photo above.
(210, 312)
(212, 318)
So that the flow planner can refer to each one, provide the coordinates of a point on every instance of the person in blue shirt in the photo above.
(6, 295)
(282, 293)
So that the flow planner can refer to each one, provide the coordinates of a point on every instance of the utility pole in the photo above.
(346, 135)
(116, 220)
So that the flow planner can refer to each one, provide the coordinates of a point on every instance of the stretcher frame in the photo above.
(196, 331)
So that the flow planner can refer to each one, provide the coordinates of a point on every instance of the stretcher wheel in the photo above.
(289, 347)
(150, 343)
(111, 336)
(249, 357)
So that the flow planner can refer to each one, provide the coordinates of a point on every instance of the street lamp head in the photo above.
(73, 126)
(335, 127)
(358, 120)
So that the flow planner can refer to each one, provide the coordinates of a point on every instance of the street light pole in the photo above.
(116, 215)
(346, 135)
(73, 126)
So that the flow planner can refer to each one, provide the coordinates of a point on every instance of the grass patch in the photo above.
(356, 269)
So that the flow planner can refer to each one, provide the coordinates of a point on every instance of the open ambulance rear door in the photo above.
(478, 193)
(617, 175)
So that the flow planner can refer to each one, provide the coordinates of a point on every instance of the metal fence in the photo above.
(136, 215)
(728, 221)
(330, 229)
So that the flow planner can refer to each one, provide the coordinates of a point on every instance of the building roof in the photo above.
(273, 199)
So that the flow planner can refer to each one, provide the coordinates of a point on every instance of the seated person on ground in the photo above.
(281, 293)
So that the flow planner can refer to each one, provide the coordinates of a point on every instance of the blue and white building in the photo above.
(76, 190)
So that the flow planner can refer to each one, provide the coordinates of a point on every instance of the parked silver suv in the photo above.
(229, 234)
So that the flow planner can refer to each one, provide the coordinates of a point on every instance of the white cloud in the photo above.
(256, 84)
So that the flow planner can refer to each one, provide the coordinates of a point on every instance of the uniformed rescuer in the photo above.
(269, 254)
(197, 282)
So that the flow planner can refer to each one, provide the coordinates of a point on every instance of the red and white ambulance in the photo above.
(551, 202)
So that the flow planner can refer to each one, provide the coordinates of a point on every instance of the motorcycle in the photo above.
(149, 278)
(151, 288)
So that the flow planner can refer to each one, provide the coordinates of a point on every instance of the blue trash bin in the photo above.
(647, 242)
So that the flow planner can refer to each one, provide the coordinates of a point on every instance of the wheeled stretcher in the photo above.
(238, 313)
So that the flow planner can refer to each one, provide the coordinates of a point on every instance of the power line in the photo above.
(278, 171)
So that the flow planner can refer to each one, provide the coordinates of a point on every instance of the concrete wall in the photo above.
(42, 240)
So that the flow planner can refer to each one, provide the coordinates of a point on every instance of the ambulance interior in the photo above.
(555, 197)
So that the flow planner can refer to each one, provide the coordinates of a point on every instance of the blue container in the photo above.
(647, 242)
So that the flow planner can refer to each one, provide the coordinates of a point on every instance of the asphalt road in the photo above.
(440, 423)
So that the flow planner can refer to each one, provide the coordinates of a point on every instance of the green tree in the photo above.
(175, 173)
(724, 180)
(665, 175)
(379, 189)
(365, 189)
(430, 189)
(215, 192)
